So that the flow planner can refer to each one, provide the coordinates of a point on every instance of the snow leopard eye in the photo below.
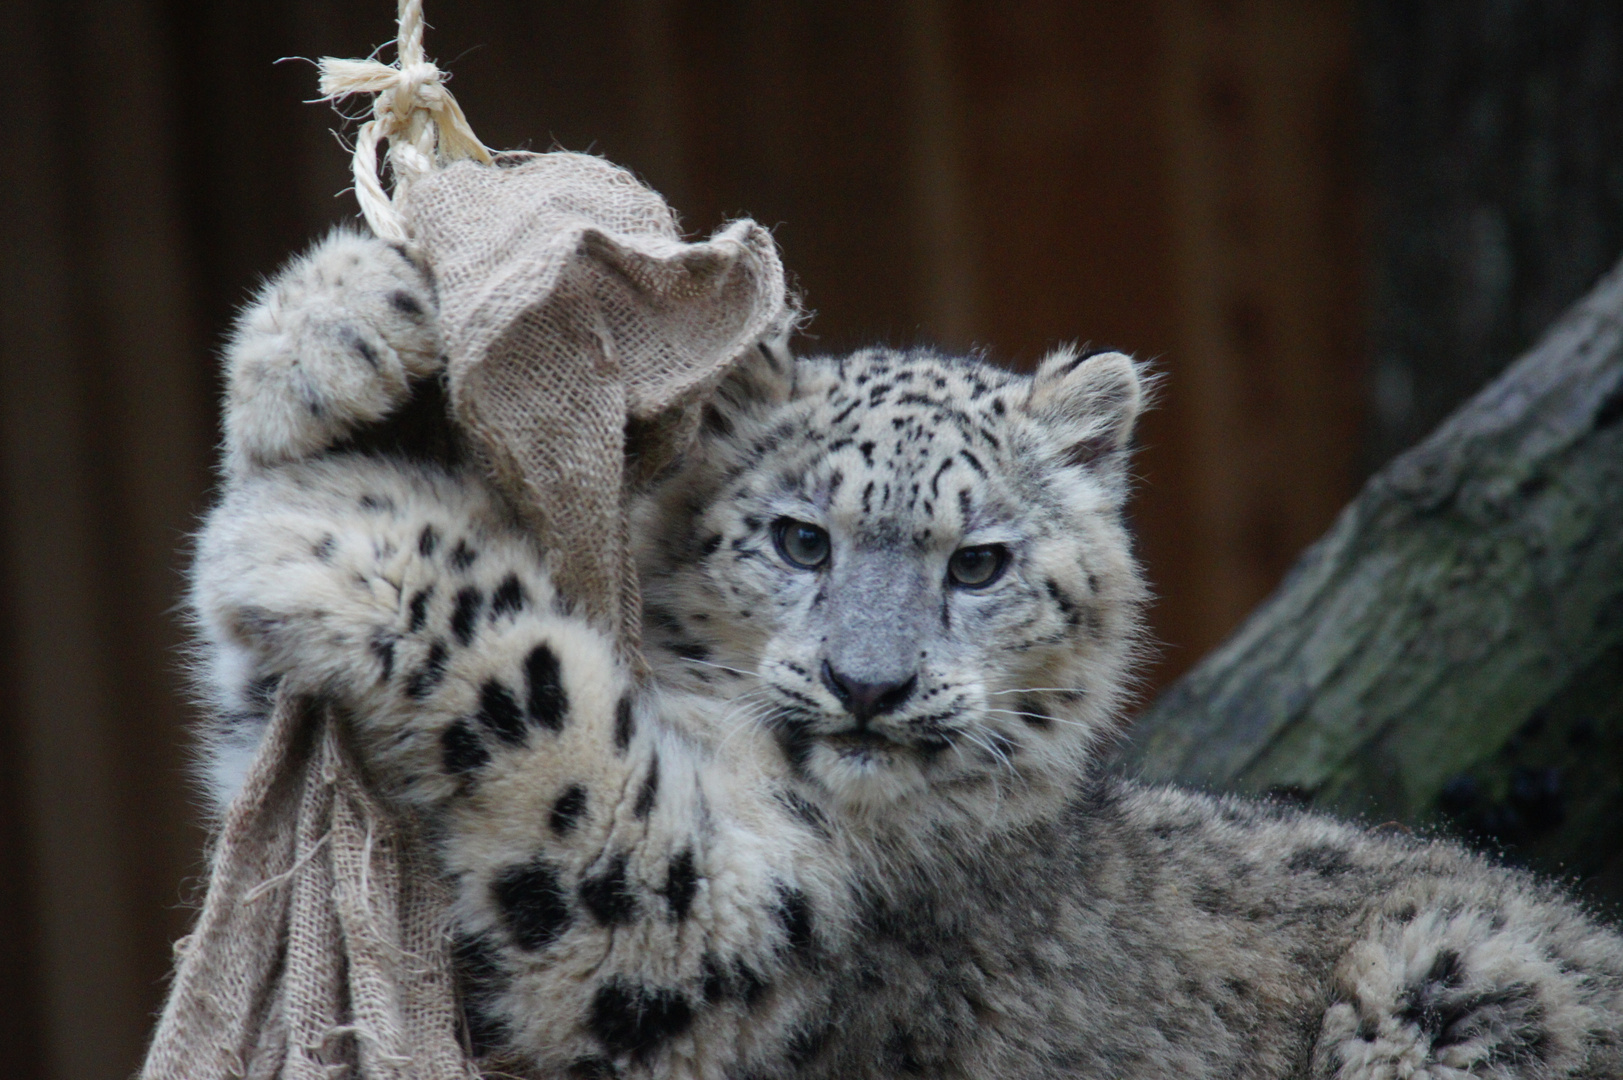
(977, 567)
(801, 544)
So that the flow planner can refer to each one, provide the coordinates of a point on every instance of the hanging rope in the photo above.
(412, 110)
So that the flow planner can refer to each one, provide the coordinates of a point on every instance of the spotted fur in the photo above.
(854, 825)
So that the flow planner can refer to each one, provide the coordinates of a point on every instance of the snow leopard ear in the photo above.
(770, 369)
(762, 378)
(1089, 400)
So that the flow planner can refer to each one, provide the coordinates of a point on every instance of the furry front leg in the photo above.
(624, 898)
(334, 342)
(628, 905)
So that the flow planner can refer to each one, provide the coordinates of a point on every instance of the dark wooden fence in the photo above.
(1184, 179)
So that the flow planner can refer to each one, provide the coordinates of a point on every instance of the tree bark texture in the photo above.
(1450, 654)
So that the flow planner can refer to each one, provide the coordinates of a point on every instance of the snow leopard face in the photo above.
(919, 560)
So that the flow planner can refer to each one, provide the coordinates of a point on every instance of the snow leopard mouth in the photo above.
(799, 735)
(867, 743)
(860, 740)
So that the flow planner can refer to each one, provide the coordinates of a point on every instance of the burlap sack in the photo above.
(582, 333)
(321, 949)
(571, 308)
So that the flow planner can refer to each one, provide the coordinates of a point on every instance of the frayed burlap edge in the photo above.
(321, 948)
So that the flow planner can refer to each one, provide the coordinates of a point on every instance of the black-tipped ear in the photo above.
(762, 378)
(771, 370)
(758, 380)
(1089, 402)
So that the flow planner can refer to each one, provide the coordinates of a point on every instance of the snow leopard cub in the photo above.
(856, 826)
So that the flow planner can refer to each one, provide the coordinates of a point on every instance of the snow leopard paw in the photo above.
(1463, 986)
(333, 341)
(600, 930)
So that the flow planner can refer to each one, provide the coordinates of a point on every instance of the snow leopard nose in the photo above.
(866, 700)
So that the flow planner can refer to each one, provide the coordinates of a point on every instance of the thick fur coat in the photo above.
(855, 825)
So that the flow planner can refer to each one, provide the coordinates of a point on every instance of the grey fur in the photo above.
(879, 601)
(734, 874)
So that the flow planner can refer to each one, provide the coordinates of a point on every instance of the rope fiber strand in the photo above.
(412, 110)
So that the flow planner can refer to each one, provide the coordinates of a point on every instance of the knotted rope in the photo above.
(412, 110)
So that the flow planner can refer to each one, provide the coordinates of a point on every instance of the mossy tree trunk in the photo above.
(1450, 654)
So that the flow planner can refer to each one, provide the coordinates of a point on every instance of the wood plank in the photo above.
(1265, 378)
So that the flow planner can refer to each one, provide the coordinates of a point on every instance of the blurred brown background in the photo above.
(1299, 209)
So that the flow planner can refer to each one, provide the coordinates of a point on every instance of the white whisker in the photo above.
(996, 753)
(723, 667)
(756, 714)
(997, 785)
(749, 711)
(740, 708)
(1041, 716)
(1040, 690)
(743, 708)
